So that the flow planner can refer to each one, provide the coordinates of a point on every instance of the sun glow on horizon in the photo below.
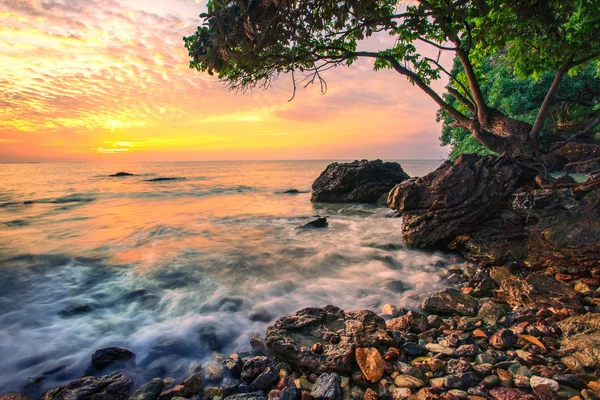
(108, 78)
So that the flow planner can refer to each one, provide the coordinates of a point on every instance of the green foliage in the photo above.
(576, 102)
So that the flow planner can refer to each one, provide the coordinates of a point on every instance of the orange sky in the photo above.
(107, 80)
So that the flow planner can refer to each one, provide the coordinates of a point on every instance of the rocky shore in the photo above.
(519, 320)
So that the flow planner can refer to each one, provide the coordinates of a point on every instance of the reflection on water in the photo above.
(89, 261)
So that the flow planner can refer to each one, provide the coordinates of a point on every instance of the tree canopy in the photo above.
(250, 43)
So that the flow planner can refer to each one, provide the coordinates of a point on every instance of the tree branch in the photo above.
(545, 107)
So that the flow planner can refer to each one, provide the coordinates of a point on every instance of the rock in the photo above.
(254, 366)
(116, 386)
(505, 377)
(370, 394)
(407, 381)
(120, 174)
(166, 348)
(521, 381)
(265, 380)
(413, 349)
(577, 152)
(103, 358)
(503, 339)
(291, 338)
(303, 384)
(172, 393)
(467, 350)
(536, 381)
(327, 387)
(456, 198)
(247, 396)
(233, 364)
(458, 394)
(401, 393)
(192, 385)
(504, 393)
(356, 182)
(14, 396)
(395, 286)
(451, 302)
(580, 341)
(554, 162)
(491, 312)
(150, 391)
(274, 394)
(371, 363)
(76, 310)
(439, 349)
(390, 310)
(292, 191)
(411, 321)
(289, 393)
(320, 222)
(213, 372)
(161, 179)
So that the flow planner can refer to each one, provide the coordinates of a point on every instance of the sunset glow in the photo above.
(99, 80)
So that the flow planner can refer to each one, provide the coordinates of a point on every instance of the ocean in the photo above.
(208, 259)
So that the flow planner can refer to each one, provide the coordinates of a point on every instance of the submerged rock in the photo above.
(120, 174)
(164, 179)
(456, 198)
(103, 358)
(451, 302)
(116, 386)
(340, 333)
(357, 182)
(320, 222)
(76, 310)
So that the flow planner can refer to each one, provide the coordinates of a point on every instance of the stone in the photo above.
(103, 358)
(485, 358)
(120, 174)
(371, 363)
(491, 381)
(172, 393)
(536, 381)
(503, 339)
(504, 393)
(411, 321)
(580, 342)
(356, 182)
(150, 391)
(412, 349)
(289, 393)
(491, 312)
(506, 378)
(456, 198)
(265, 380)
(213, 372)
(370, 394)
(467, 350)
(439, 349)
(390, 310)
(327, 387)
(521, 381)
(451, 302)
(253, 367)
(302, 383)
(192, 385)
(233, 364)
(274, 394)
(76, 310)
(459, 394)
(320, 222)
(247, 396)
(396, 286)
(115, 386)
(401, 393)
(407, 381)
(167, 348)
(291, 338)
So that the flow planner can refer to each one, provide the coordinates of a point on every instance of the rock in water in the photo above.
(291, 338)
(451, 302)
(327, 387)
(371, 363)
(103, 358)
(150, 391)
(320, 222)
(456, 198)
(120, 174)
(115, 386)
(357, 182)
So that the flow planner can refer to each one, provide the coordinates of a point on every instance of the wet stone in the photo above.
(265, 380)
(150, 391)
(103, 358)
(407, 381)
(536, 381)
(233, 364)
(503, 339)
(451, 302)
(253, 367)
(327, 387)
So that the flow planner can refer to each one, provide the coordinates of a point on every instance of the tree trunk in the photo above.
(504, 135)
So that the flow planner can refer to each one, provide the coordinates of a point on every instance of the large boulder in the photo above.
(338, 333)
(557, 228)
(457, 197)
(116, 386)
(357, 182)
(103, 358)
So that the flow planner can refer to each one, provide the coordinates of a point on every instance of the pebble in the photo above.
(371, 363)
(491, 381)
(407, 381)
(503, 339)
(439, 349)
(538, 380)
(505, 377)
(401, 393)
(390, 310)
(460, 394)
(521, 381)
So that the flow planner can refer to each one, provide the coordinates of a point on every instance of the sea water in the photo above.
(89, 261)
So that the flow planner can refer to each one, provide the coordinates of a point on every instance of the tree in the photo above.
(575, 106)
(253, 42)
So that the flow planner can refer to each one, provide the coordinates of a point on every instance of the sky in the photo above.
(108, 81)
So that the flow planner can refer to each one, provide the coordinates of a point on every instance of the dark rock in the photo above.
(230, 386)
(320, 222)
(411, 322)
(414, 350)
(396, 286)
(327, 387)
(554, 162)
(233, 364)
(357, 182)
(289, 393)
(255, 366)
(167, 347)
(292, 191)
(457, 197)
(451, 302)
(260, 314)
(503, 339)
(102, 358)
(504, 393)
(164, 179)
(76, 309)
(247, 396)
(291, 338)
(120, 174)
(265, 380)
(116, 386)
(577, 152)
(150, 391)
